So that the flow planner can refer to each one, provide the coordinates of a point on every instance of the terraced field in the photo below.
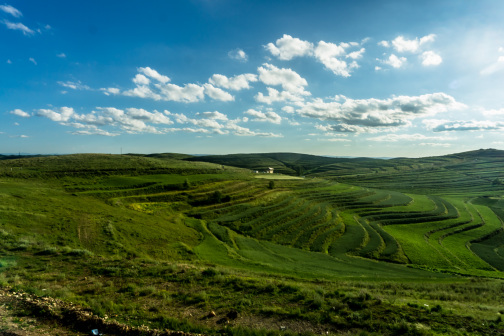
(349, 246)
(445, 233)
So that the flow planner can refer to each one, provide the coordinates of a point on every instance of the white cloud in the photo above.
(435, 144)
(430, 58)
(288, 109)
(464, 125)
(216, 93)
(154, 117)
(31, 59)
(20, 113)
(141, 80)
(63, 115)
(407, 137)
(401, 44)
(210, 125)
(356, 54)
(61, 55)
(160, 89)
(336, 140)
(268, 116)
(393, 61)
(275, 96)
(154, 74)
(129, 120)
(290, 80)
(493, 112)
(346, 128)
(188, 93)
(91, 130)
(331, 55)
(11, 10)
(287, 48)
(377, 113)
(109, 91)
(214, 115)
(238, 54)
(74, 85)
(142, 91)
(18, 26)
(243, 131)
(236, 83)
(384, 44)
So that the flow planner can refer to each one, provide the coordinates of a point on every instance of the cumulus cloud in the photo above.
(189, 93)
(18, 26)
(142, 91)
(493, 112)
(213, 115)
(129, 120)
(235, 83)
(154, 74)
(430, 58)
(238, 55)
(345, 128)
(287, 47)
(61, 115)
(464, 125)
(20, 113)
(110, 91)
(393, 61)
(275, 96)
(11, 10)
(435, 144)
(141, 80)
(74, 85)
(151, 84)
(407, 137)
(335, 57)
(208, 124)
(377, 113)
(290, 80)
(401, 44)
(216, 93)
(415, 46)
(92, 130)
(268, 116)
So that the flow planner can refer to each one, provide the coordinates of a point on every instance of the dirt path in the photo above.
(15, 322)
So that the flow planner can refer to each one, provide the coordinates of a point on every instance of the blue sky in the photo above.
(342, 78)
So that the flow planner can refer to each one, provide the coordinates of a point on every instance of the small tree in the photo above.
(271, 184)
(216, 197)
(186, 184)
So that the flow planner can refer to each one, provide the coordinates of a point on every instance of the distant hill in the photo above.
(285, 163)
(305, 164)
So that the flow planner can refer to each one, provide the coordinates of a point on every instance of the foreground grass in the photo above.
(182, 296)
(167, 243)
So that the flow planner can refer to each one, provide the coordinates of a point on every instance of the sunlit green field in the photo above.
(191, 236)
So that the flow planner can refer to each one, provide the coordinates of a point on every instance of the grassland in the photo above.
(366, 246)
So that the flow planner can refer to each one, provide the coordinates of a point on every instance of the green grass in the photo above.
(145, 238)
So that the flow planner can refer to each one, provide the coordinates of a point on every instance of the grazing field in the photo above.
(392, 247)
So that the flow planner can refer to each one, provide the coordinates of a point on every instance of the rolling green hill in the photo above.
(399, 246)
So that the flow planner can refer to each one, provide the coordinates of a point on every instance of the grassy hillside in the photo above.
(163, 240)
